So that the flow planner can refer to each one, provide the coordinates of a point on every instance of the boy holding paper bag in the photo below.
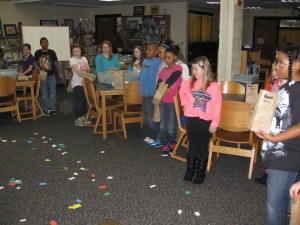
(281, 148)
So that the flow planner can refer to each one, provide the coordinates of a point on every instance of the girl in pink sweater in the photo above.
(201, 98)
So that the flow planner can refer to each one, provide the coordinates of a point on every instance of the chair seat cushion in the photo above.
(233, 137)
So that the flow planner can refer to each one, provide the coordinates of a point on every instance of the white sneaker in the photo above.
(148, 140)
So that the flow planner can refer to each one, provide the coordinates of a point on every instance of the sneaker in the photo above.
(51, 112)
(79, 122)
(148, 140)
(155, 144)
(171, 147)
(165, 151)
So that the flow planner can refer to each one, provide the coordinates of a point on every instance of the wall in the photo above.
(249, 21)
(177, 11)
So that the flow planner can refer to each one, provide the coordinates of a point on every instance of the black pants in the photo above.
(80, 101)
(198, 136)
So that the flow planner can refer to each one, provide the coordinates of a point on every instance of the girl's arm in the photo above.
(185, 88)
(28, 70)
(98, 64)
(116, 62)
(217, 104)
(175, 76)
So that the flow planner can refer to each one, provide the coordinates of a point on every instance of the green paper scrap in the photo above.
(11, 180)
(33, 149)
(47, 160)
(66, 168)
(107, 193)
(187, 192)
(82, 168)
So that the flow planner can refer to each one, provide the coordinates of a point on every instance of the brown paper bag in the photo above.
(43, 75)
(119, 79)
(263, 111)
(161, 91)
(295, 212)
(70, 89)
(156, 113)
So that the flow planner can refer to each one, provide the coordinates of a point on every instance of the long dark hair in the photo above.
(141, 60)
(293, 54)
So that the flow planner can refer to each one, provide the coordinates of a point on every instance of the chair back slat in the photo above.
(231, 87)
(178, 110)
(132, 94)
(235, 116)
(90, 93)
(7, 86)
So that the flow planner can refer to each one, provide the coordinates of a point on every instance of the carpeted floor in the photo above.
(44, 155)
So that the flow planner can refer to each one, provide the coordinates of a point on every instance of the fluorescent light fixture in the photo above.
(252, 7)
(110, 0)
(26, 1)
(213, 3)
(74, 4)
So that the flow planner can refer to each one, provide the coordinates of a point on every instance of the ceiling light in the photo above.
(213, 3)
(110, 0)
(74, 4)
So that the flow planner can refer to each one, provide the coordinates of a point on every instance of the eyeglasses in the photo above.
(280, 64)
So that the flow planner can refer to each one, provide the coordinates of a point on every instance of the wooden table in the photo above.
(25, 84)
(104, 91)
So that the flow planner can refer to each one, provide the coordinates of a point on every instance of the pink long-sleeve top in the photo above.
(172, 77)
(205, 105)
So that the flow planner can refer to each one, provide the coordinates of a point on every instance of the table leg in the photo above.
(103, 104)
(33, 102)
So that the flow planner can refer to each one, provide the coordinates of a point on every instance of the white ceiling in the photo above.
(265, 4)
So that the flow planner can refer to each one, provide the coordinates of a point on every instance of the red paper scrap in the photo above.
(53, 222)
(93, 175)
(12, 183)
(102, 187)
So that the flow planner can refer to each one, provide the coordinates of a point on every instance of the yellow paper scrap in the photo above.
(75, 206)
(47, 160)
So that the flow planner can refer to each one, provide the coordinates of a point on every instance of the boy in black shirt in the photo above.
(46, 60)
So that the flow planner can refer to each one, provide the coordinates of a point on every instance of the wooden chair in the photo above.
(8, 99)
(232, 87)
(27, 97)
(94, 106)
(295, 212)
(131, 111)
(233, 130)
(182, 135)
(264, 72)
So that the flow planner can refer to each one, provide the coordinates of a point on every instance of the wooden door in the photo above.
(106, 27)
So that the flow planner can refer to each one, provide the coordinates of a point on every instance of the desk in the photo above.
(104, 91)
(29, 83)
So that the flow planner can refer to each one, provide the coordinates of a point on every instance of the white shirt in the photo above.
(81, 62)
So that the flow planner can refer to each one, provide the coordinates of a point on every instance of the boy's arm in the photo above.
(290, 133)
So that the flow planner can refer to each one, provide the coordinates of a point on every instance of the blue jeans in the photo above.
(168, 126)
(48, 92)
(151, 126)
(279, 183)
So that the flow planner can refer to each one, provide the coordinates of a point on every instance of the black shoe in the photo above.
(190, 169)
(262, 180)
(200, 171)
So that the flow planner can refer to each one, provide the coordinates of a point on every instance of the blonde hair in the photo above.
(208, 76)
(110, 54)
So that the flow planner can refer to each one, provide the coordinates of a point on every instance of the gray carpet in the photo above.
(226, 197)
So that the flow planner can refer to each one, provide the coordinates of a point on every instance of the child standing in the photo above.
(171, 75)
(281, 148)
(78, 64)
(137, 59)
(161, 50)
(201, 98)
(106, 60)
(26, 65)
(147, 77)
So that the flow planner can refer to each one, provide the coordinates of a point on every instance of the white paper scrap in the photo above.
(93, 179)
(1, 187)
(23, 220)
(63, 153)
(36, 133)
(71, 178)
(44, 137)
(53, 146)
(18, 188)
(197, 213)
(179, 211)
(59, 149)
(76, 174)
(78, 161)
(45, 142)
(109, 177)
(102, 152)
(14, 141)
(152, 186)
